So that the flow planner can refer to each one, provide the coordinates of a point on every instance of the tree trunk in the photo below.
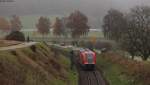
(145, 57)
(132, 57)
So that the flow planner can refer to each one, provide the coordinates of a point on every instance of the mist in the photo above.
(94, 9)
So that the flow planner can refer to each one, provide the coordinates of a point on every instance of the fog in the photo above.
(94, 9)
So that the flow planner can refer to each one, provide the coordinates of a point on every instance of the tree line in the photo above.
(75, 25)
(131, 30)
(13, 25)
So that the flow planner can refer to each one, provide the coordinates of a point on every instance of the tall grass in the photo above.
(133, 72)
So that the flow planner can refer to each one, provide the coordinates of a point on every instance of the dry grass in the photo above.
(140, 71)
(27, 67)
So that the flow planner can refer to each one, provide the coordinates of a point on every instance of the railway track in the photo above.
(97, 77)
(90, 78)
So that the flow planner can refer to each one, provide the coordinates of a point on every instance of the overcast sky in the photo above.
(95, 9)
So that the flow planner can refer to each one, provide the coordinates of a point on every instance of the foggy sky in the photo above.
(94, 9)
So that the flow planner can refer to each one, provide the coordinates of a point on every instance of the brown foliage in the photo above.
(43, 25)
(139, 70)
(26, 67)
(78, 23)
(10, 74)
(4, 24)
(58, 27)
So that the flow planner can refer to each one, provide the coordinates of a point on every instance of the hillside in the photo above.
(119, 70)
(34, 65)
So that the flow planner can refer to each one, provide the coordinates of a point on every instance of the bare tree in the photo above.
(43, 25)
(66, 30)
(78, 23)
(113, 24)
(136, 37)
(58, 27)
(16, 24)
(132, 31)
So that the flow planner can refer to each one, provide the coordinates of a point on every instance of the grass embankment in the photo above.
(121, 71)
(35, 65)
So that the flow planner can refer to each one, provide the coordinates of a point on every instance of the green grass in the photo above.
(114, 73)
(73, 78)
(72, 75)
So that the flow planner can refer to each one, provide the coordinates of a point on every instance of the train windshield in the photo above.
(90, 58)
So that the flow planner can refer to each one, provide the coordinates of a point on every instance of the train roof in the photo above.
(86, 51)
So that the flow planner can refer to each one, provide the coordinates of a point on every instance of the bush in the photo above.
(102, 44)
(140, 71)
(16, 35)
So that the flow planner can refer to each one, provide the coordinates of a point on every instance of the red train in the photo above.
(86, 59)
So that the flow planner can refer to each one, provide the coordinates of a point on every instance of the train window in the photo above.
(90, 58)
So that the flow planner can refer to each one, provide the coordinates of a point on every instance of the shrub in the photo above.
(16, 35)
(101, 45)
(139, 70)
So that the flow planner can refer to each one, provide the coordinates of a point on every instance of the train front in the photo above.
(88, 58)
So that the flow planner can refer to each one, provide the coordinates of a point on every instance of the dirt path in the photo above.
(22, 45)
